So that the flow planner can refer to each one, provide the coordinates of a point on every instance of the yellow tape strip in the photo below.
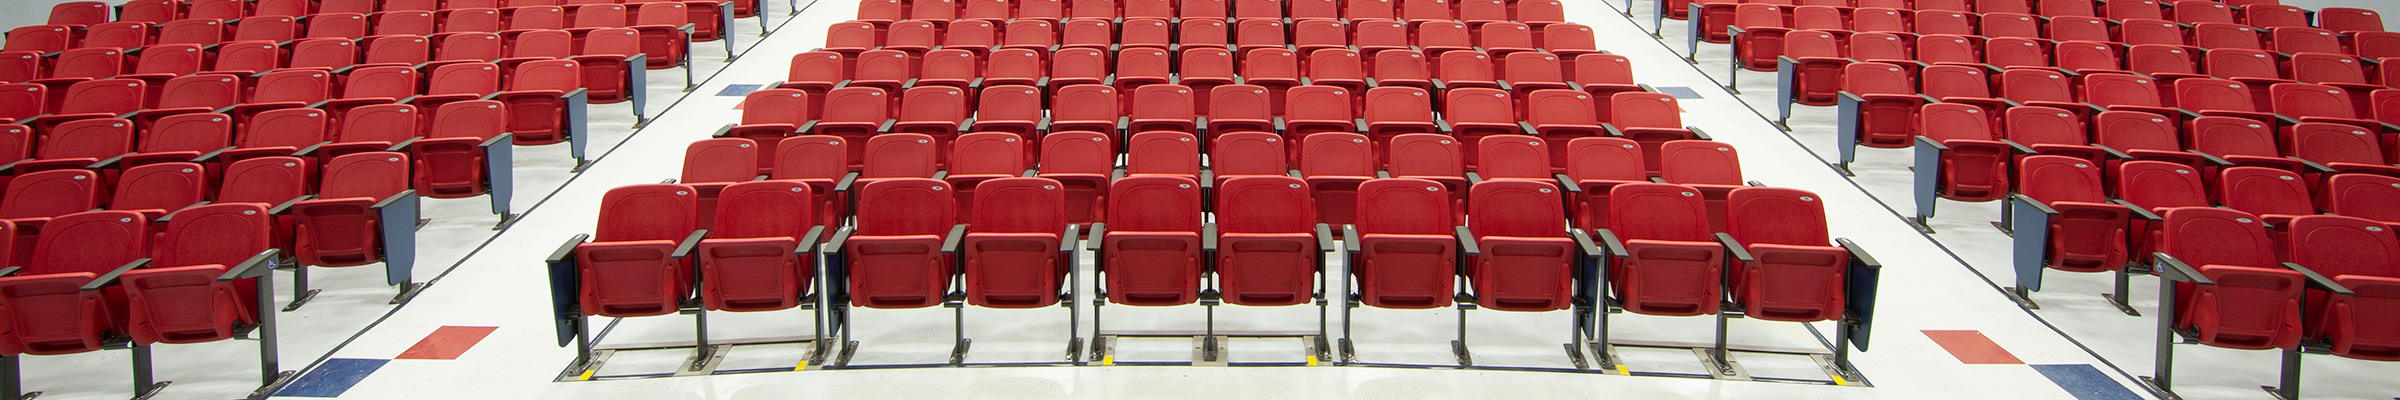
(1622, 371)
(803, 366)
(1838, 381)
(1312, 361)
(587, 375)
(1108, 359)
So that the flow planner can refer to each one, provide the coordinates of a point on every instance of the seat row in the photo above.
(705, 24)
(92, 13)
(2265, 14)
(1532, 12)
(1366, 36)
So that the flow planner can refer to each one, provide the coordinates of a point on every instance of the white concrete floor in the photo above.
(498, 280)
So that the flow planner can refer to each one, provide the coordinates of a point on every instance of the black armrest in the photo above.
(2138, 211)
(1466, 241)
(2175, 270)
(1608, 240)
(1697, 133)
(2113, 152)
(2037, 204)
(684, 249)
(1526, 128)
(1584, 242)
(566, 250)
(1350, 238)
(1612, 129)
(259, 264)
(1324, 238)
(1854, 97)
(1734, 247)
(2212, 158)
(1099, 231)
(840, 238)
(279, 209)
(886, 126)
(503, 137)
(1439, 86)
(1208, 237)
(1072, 236)
(395, 198)
(1504, 86)
(722, 131)
(13, 270)
(950, 242)
(1443, 124)
(2312, 166)
(311, 149)
(1473, 178)
(110, 278)
(805, 127)
(1567, 184)
(111, 162)
(1858, 254)
(967, 125)
(1937, 145)
(844, 184)
(403, 145)
(2020, 148)
(2319, 281)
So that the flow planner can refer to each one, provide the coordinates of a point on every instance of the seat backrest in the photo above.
(1247, 153)
(1880, 19)
(2327, 68)
(764, 209)
(2232, 63)
(266, 180)
(811, 157)
(2261, 190)
(1657, 211)
(2201, 236)
(291, 127)
(2080, 28)
(2334, 143)
(2028, 84)
(1162, 152)
(52, 193)
(884, 66)
(111, 96)
(327, 53)
(2159, 184)
(2085, 55)
(16, 142)
(88, 63)
(1078, 152)
(463, 78)
(123, 35)
(2110, 90)
(1569, 107)
(647, 212)
(2032, 125)
(271, 28)
(1645, 110)
(1943, 22)
(2363, 196)
(2348, 19)
(775, 106)
(201, 133)
(857, 104)
(818, 67)
(79, 13)
(1009, 103)
(1699, 162)
(1782, 216)
(1518, 208)
(1317, 103)
(191, 31)
(1337, 154)
(95, 139)
(92, 242)
(374, 175)
(987, 153)
(2213, 94)
(1811, 43)
(900, 155)
(1605, 158)
(1021, 205)
(1954, 121)
(1883, 78)
(2226, 35)
(1169, 102)
(2133, 9)
(1262, 204)
(2309, 100)
(1601, 68)
(1270, 63)
(933, 103)
(1404, 206)
(1152, 203)
(1512, 157)
(1242, 102)
(1945, 48)
(720, 160)
(2053, 179)
(1086, 103)
(173, 59)
(217, 234)
(1394, 103)
(2341, 245)
(2231, 136)
(200, 91)
(1426, 155)
(1465, 66)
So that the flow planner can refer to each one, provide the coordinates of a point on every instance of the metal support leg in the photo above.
(12, 381)
(1459, 347)
(1723, 365)
(2162, 379)
(270, 368)
(583, 344)
(701, 351)
(2121, 298)
(958, 330)
(300, 291)
(1841, 350)
(2289, 388)
(145, 384)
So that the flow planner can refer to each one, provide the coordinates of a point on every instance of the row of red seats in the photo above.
(92, 13)
(1758, 26)
(1366, 36)
(659, 19)
(1531, 12)
(2261, 14)
(98, 280)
